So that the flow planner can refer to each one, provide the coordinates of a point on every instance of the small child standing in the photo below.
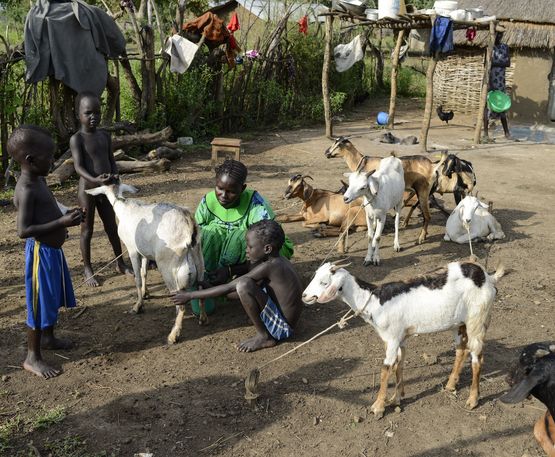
(94, 162)
(269, 289)
(40, 220)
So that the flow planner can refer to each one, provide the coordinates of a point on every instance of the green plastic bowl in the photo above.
(209, 305)
(498, 101)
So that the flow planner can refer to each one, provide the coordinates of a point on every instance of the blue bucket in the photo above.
(382, 118)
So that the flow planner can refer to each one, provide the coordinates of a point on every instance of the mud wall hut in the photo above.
(530, 35)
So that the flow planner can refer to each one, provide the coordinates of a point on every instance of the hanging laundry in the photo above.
(303, 24)
(346, 55)
(233, 23)
(181, 51)
(441, 37)
(471, 33)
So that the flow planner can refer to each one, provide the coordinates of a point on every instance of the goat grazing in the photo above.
(458, 297)
(418, 174)
(323, 207)
(472, 216)
(381, 190)
(534, 374)
(165, 233)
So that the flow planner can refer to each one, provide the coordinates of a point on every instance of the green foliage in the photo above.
(410, 83)
(48, 417)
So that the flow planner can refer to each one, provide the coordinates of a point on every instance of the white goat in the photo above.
(165, 233)
(382, 190)
(458, 297)
(472, 215)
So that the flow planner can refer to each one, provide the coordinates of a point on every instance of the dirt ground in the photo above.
(125, 391)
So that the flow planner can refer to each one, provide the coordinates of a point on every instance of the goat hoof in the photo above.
(172, 339)
(378, 413)
(137, 309)
(203, 320)
(471, 403)
(367, 262)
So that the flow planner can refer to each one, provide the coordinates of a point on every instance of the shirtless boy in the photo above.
(270, 289)
(94, 161)
(40, 220)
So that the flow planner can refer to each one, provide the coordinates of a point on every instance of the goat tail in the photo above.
(499, 272)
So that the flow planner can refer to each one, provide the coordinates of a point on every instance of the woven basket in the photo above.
(458, 81)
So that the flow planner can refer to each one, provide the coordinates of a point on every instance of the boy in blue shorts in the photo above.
(269, 288)
(40, 220)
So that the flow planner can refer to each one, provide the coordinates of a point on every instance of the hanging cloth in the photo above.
(441, 37)
(346, 55)
(470, 33)
(233, 25)
(181, 51)
(303, 24)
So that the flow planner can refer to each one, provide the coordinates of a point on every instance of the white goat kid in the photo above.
(472, 215)
(458, 297)
(165, 233)
(381, 190)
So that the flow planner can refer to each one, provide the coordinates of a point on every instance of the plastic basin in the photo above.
(498, 101)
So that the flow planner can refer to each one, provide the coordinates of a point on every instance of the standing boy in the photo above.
(39, 219)
(94, 161)
(270, 289)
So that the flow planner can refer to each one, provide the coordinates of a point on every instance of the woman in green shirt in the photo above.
(224, 215)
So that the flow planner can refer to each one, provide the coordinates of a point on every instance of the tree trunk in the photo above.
(141, 138)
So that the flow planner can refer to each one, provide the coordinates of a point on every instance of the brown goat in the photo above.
(323, 207)
(419, 175)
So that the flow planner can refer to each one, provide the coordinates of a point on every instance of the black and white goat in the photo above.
(534, 374)
(381, 190)
(458, 297)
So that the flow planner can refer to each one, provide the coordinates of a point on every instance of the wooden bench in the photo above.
(226, 145)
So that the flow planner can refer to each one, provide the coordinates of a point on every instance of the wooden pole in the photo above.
(326, 76)
(485, 83)
(394, 72)
(429, 101)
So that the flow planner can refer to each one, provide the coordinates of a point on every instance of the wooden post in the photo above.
(148, 71)
(429, 101)
(485, 84)
(326, 76)
(394, 72)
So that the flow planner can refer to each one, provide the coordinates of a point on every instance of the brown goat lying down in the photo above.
(324, 207)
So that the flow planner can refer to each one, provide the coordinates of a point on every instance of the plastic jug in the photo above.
(389, 8)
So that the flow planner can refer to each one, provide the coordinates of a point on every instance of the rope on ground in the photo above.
(101, 269)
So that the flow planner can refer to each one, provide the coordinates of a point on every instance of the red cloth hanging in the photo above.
(471, 33)
(303, 25)
(233, 23)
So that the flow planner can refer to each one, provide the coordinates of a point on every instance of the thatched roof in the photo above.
(528, 23)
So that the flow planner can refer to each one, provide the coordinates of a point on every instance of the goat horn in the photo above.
(541, 353)
(337, 265)
(308, 176)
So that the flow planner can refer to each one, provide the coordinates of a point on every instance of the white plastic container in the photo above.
(445, 7)
(388, 8)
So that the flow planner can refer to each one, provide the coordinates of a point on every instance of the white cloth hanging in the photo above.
(346, 55)
(181, 51)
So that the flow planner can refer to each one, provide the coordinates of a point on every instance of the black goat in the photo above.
(443, 115)
(535, 375)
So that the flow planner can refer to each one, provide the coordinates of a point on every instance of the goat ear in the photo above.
(96, 190)
(484, 205)
(346, 175)
(126, 188)
(329, 294)
(521, 390)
